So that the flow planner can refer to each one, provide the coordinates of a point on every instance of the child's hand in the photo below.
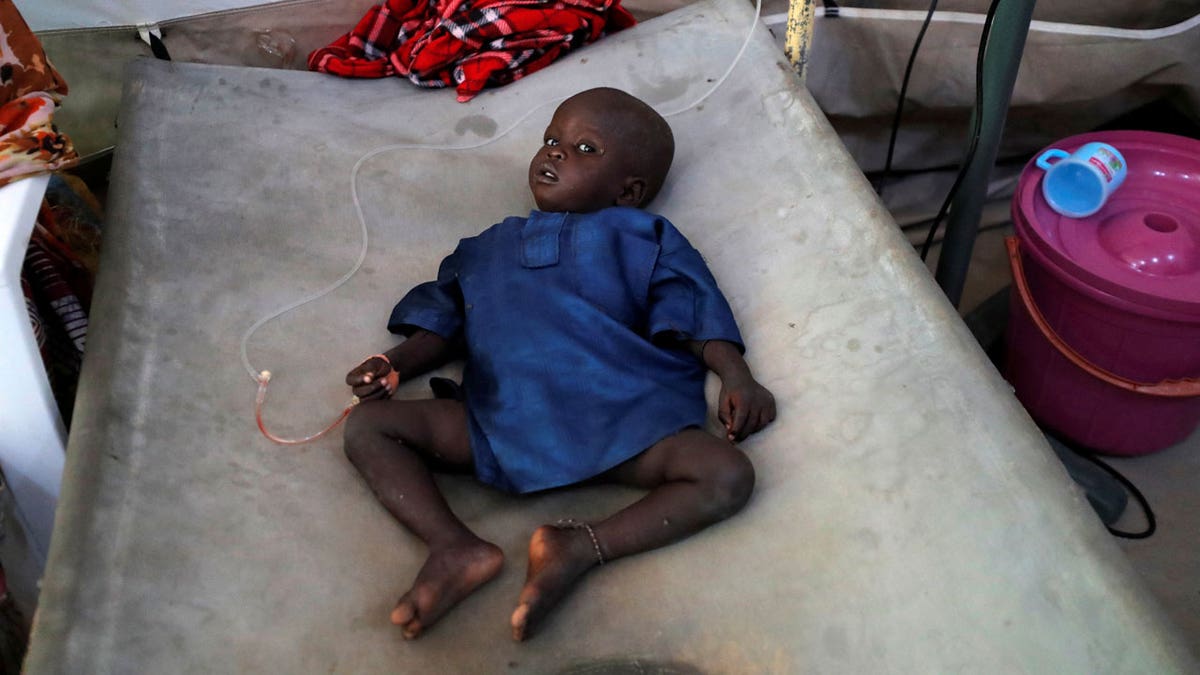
(373, 378)
(745, 407)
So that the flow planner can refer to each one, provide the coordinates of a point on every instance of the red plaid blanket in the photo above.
(469, 44)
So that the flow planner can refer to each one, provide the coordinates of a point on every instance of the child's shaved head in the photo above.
(641, 128)
(603, 148)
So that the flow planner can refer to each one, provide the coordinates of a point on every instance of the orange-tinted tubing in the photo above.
(263, 379)
(1185, 388)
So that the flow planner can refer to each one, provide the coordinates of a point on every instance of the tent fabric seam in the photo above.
(970, 18)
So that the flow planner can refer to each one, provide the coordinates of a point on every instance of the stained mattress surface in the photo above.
(907, 518)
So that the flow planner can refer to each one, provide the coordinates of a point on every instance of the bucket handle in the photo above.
(1185, 388)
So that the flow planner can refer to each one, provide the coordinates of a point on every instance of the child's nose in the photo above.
(556, 152)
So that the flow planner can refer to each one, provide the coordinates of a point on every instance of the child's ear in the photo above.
(633, 191)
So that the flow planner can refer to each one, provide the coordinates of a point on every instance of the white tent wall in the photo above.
(1074, 77)
(1112, 13)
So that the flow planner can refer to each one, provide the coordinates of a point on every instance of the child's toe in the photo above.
(404, 612)
(520, 618)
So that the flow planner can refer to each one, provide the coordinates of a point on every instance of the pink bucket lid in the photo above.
(1143, 245)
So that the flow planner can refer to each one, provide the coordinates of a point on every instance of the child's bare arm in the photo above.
(377, 377)
(745, 405)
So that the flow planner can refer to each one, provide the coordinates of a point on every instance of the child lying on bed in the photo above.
(587, 329)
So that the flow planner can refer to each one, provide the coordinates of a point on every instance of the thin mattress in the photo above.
(908, 516)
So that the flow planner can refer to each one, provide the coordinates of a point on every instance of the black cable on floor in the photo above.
(977, 128)
(1151, 524)
(1104, 498)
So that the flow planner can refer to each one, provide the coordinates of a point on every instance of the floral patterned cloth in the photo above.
(30, 89)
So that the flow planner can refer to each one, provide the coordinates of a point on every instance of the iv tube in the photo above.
(264, 377)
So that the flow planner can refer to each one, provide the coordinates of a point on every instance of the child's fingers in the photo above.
(366, 391)
(372, 370)
(731, 415)
(757, 422)
(360, 379)
(740, 413)
(362, 374)
(390, 380)
(723, 410)
(379, 386)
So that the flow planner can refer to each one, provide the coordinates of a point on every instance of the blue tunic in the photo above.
(564, 318)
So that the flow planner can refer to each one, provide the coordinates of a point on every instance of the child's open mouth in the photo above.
(546, 174)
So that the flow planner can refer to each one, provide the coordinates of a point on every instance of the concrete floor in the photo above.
(1168, 561)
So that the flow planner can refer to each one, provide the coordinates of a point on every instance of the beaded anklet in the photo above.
(572, 524)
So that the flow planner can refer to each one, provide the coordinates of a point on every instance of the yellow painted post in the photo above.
(799, 33)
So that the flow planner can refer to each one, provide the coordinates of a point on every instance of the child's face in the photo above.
(582, 165)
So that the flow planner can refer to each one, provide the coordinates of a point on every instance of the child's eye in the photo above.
(586, 148)
(551, 142)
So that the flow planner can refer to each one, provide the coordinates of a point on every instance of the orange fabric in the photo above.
(29, 142)
(30, 89)
(24, 67)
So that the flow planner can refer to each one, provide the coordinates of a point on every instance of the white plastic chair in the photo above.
(32, 435)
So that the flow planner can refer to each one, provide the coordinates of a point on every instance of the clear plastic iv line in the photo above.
(263, 378)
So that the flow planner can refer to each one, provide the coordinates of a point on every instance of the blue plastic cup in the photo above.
(1077, 184)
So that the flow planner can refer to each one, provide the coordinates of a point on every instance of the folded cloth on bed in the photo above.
(29, 91)
(57, 279)
(469, 44)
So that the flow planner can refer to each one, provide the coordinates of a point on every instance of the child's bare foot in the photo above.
(557, 557)
(448, 575)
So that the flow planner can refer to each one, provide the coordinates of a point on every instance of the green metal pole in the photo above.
(1001, 62)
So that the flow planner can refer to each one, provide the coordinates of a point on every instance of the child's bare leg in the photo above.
(385, 440)
(695, 480)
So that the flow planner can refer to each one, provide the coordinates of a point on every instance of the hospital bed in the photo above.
(908, 516)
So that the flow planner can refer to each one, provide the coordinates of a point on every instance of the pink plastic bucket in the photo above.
(1103, 342)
